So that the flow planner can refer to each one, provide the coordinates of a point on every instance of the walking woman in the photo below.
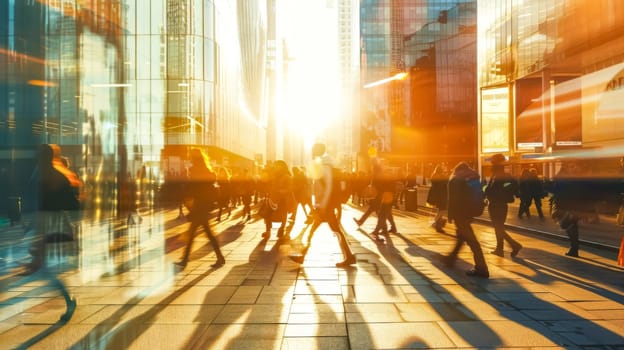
(200, 197)
(438, 194)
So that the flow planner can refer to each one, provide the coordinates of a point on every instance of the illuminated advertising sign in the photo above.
(495, 120)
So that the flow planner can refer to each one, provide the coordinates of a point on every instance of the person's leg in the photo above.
(380, 226)
(298, 258)
(480, 268)
(348, 256)
(449, 260)
(498, 222)
(390, 219)
(215, 245)
(572, 230)
(538, 206)
(189, 244)
(267, 227)
(281, 229)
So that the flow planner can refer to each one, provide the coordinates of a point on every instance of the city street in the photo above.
(130, 294)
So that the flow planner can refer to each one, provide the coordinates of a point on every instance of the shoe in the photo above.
(376, 237)
(478, 273)
(447, 261)
(393, 230)
(266, 235)
(220, 262)
(357, 222)
(515, 250)
(346, 262)
(181, 263)
(498, 252)
(572, 252)
(298, 258)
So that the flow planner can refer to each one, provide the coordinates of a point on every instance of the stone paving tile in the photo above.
(262, 300)
(480, 334)
(304, 308)
(316, 330)
(252, 314)
(245, 295)
(314, 343)
(276, 294)
(65, 337)
(240, 336)
(375, 313)
(586, 332)
(404, 335)
(316, 317)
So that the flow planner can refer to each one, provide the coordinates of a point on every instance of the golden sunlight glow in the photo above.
(312, 85)
(398, 76)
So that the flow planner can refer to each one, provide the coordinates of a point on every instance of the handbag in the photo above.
(267, 207)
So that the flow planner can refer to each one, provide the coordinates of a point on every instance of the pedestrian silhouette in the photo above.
(385, 185)
(571, 201)
(200, 196)
(438, 195)
(280, 199)
(500, 191)
(325, 205)
(459, 203)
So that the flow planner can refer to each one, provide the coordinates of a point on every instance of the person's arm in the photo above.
(327, 179)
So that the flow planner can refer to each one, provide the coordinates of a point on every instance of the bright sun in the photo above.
(311, 91)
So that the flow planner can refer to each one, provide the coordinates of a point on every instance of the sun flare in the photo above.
(311, 98)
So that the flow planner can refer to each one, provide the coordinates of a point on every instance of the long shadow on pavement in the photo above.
(518, 304)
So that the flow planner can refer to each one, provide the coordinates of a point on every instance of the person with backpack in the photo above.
(465, 201)
(326, 200)
(500, 191)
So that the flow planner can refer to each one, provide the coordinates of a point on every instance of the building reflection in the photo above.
(556, 70)
(125, 85)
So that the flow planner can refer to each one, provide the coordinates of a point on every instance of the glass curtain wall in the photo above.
(119, 84)
(436, 44)
(562, 67)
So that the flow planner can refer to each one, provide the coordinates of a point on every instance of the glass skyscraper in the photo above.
(431, 116)
(129, 85)
(550, 77)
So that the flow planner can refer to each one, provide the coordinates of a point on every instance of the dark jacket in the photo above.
(459, 197)
(438, 195)
(201, 190)
(502, 188)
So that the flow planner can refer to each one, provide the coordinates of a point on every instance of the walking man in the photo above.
(500, 191)
(326, 201)
(459, 211)
(201, 195)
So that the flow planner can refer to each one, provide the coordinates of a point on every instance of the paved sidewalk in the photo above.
(130, 295)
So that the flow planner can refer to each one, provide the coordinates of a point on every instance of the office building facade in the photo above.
(129, 86)
(431, 116)
(550, 80)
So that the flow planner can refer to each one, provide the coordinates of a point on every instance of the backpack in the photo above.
(503, 190)
(476, 197)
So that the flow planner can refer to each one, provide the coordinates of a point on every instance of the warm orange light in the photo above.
(398, 76)
(36, 82)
